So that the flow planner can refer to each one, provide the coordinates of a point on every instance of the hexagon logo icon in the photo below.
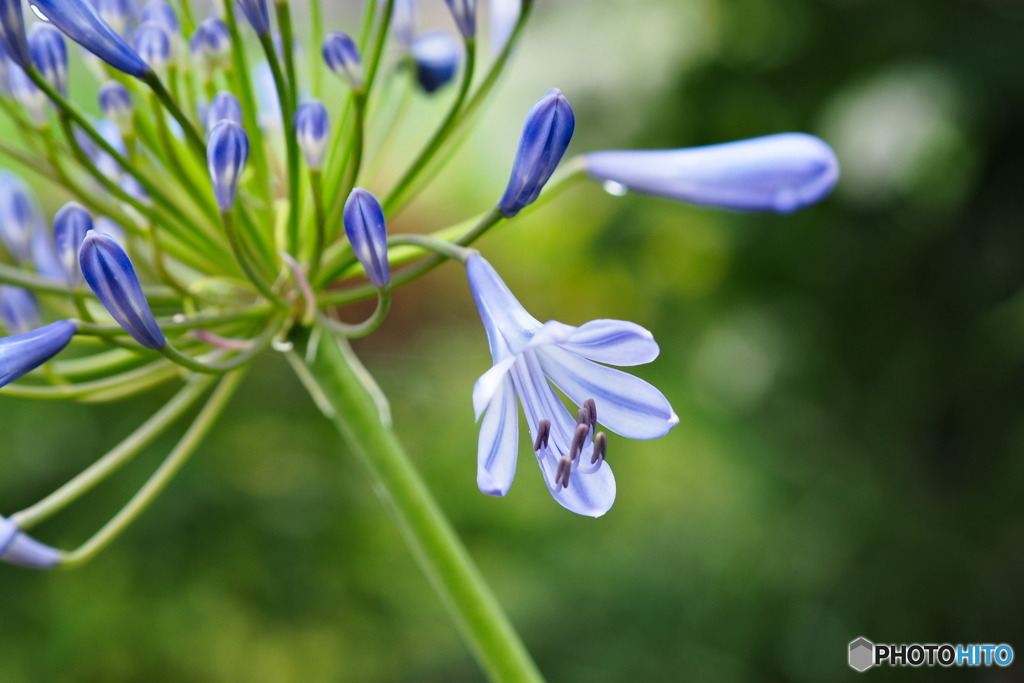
(862, 654)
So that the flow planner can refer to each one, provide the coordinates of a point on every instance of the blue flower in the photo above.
(342, 57)
(258, 15)
(223, 107)
(365, 228)
(212, 41)
(19, 311)
(227, 151)
(464, 12)
(12, 32)
(79, 21)
(403, 21)
(117, 13)
(546, 135)
(27, 93)
(70, 226)
(437, 56)
(162, 13)
(153, 43)
(779, 173)
(504, 16)
(24, 352)
(313, 127)
(116, 104)
(17, 547)
(529, 356)
(20, 216)
(111, 275)
(50, 54)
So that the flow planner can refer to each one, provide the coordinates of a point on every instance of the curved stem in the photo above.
(368, 326)
(331, 379)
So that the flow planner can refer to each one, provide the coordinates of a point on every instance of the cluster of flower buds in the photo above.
(222, 206)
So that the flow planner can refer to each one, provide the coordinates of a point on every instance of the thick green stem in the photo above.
(331, 379)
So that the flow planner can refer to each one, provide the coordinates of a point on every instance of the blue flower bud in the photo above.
(342, 57)
(153, 43)
(214, 39)
(50, 54)
(117, 13)
(12, 32)
(464, 12)
(503, 18)
(18, 309)
(70, 226)
(17, 547)
(227, 151)
(364, 225)
(437, 56)
(116, 104)
(27, 94)
(779, 173)
(267, 102)
(19, 216)
(110, 228)
(546, 135)
(313, 128)
(403, 21)
(80, 22)
(21, 353)
(111, 275)
(162, 13)
(44, 256)
(257, 14)
(224, 107)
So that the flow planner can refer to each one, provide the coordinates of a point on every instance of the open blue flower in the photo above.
(530, 356)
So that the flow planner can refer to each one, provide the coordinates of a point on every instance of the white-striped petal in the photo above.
(498, 445)
(615, 342)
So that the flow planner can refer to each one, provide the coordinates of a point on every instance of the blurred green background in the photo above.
(850, 381)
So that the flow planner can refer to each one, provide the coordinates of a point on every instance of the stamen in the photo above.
(591, 407)
(578, 439)
(600, 448)
(543, 432)
(563, 472)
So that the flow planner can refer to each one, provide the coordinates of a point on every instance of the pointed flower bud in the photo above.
(70, 226)
(153, 43)
(258, 15)
(84, 25)
(464, 12)
(19, 216)
(18, 309)
(214, 40)
(342, 57)
(27, 94)
(17, 547)
(364, 225)
(161, 12)
(779, 173)
(25, 352)
(50, 54)
(224, 107)
(116, 104)
(313, 128)
(111, 275)
(12, 32)
(227, 151)
(437, 55)
(546, 135)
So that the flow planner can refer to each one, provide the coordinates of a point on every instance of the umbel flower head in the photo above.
(529, 356)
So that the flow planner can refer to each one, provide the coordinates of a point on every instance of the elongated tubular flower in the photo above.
(111, 275)
(365, 228)
(780, 173)
(214, 40)
(527, 356)
(25, 352)
(153, 43)
(12, 32)
(227, 151)
(116, 104)
(50, 55)
(257, 13)
(464, 13)
(342, 57)
(83, 24)
(18, 309)
(313, 128)
(27, 94)
(17, 547)
(437, 56)
(19, 216)
(223, 107)
(546, 135)
(70, 226)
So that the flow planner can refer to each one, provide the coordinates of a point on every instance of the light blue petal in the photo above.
(627, 405)
(505, 320)
(498, 444)
(773, 173)
(489, 383)
(615, 342)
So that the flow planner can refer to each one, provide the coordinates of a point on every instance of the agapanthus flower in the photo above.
(19, 311)
(365, 228)
(780, 173)
(529, 356)
(437, 56)
(50, 55)
(21, 353)
(81, 22)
